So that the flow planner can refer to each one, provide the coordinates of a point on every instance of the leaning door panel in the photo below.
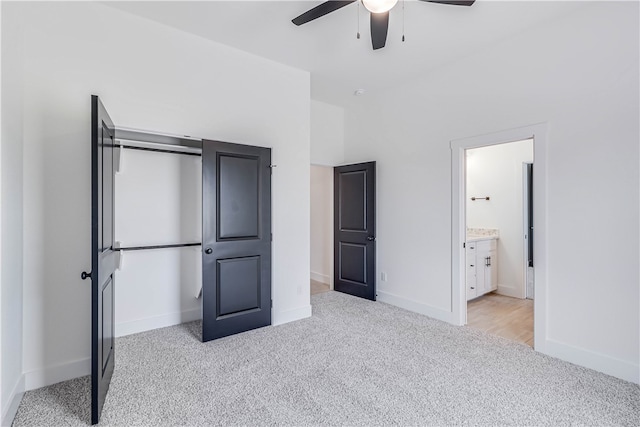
(236, 238)
(354, 230)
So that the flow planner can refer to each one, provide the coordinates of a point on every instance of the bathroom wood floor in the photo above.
(318, 287)
(507, 317)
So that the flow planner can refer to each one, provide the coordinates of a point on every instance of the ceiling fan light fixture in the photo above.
(379, 6)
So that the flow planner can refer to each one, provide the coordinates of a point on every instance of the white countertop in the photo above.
(476, 237)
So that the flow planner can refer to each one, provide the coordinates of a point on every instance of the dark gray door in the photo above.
(236, 238)
(103, 257)
(529, 190)
(354, 229)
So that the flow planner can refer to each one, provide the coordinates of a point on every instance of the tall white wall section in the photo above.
(579, 74)
(155, 78)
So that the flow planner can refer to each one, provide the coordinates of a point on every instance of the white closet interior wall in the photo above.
(158, 199)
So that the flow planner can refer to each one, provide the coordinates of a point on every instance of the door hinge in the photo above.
(464, 245)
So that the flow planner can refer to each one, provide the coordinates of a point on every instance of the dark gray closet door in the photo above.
(236, 238)
(103, 257)
(354, 230)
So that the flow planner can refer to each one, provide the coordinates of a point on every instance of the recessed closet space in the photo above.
(158, 202)
(499, 240)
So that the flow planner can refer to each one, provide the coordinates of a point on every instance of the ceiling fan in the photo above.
(379, 12)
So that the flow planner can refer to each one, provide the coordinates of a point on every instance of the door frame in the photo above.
(525, 227)
(537, 132)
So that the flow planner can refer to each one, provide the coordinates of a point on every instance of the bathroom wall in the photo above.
(496, 171)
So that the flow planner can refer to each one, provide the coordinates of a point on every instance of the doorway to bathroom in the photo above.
(498, 199)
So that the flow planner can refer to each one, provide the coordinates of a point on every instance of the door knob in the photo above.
(371, 238)
(208, 251)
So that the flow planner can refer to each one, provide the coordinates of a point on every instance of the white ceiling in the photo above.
(327, 47)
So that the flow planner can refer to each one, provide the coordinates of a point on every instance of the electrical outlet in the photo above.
(383, 276)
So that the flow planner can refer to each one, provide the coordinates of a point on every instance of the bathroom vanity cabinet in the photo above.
(482, 266)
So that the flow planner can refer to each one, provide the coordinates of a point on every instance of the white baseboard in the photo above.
(416, 307)
(322, 278)
(78, 368)
(622, 369)
(510, 291)
(57, 373)
(281, 317)
(162, 321)
(15, 397)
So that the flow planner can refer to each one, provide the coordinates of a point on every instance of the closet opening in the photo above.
(158, 230)
(194, 220)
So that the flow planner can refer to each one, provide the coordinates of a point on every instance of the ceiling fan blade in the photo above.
(320, 10)
(379, 27)
(453, 2)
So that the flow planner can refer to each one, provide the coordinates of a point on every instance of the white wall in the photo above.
(11, 214)
(322, 224)
(496, 171)
(2, 404)
(2, 411)
(327, 134)
(327, 150)
(579, 74)
(154, 78)
(158, 201)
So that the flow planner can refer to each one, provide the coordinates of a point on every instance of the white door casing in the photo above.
(458, 221)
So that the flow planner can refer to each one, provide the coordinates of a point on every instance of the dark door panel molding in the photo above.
(236, 235)
(354, 230)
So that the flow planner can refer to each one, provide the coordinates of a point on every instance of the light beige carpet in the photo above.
(354, 362)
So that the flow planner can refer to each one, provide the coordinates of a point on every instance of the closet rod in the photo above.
(160, 150)
(142, 248)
